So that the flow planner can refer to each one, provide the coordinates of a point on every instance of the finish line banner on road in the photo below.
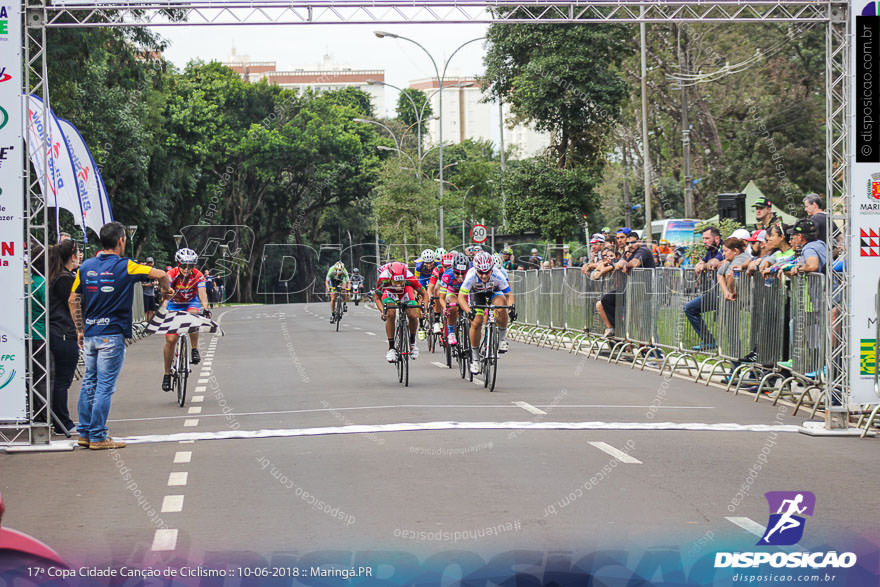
(13, 390)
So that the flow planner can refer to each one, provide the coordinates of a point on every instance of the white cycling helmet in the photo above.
(186, 257)
(497, 258)
(428, 256)
(439, 252)
(460, 263)
(483, 262)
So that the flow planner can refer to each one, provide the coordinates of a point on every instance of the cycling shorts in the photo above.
(482, 298)
(391, 298)
(185, 306)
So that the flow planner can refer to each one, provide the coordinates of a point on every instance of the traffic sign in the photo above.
(479, 233)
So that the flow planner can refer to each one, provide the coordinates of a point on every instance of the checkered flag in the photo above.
(167, 321)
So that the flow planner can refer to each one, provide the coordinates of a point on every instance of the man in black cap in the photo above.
(764, 214)
(811, 252)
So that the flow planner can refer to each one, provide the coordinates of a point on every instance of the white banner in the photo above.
(864, 247)
(62, 189)
(13, 390)
(90, 187)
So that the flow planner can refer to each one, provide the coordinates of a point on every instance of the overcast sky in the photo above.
(351, 45)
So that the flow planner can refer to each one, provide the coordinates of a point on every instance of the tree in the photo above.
(405, 204)
(562, 78)
(410, 116)
(552, 201)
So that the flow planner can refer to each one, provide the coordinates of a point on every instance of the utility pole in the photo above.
(627, 204)
(685, 131)
(646, 154)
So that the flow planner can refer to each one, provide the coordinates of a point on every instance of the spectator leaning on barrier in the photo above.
(597, 243)
(811, 252)
(100, 302)
(620, 239)
(707, 302)
(782, 253)
(759, 249)
(735, 258)
(637, 255)
(764, 214)
(813, 208)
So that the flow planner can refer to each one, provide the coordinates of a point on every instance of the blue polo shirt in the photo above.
(717, 254)
(816, 249)
(106, 283)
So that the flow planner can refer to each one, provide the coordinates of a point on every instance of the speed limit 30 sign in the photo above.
(479, 233)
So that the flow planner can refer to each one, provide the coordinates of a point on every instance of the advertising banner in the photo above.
(864, 255)
(13, 391)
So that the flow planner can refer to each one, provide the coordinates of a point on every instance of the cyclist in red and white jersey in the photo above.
(189, 295)
(397, 283)
(434, 286)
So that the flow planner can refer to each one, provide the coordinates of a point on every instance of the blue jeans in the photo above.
(103, 357)
(693, 310)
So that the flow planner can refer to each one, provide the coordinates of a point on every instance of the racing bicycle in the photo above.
(337, 310)
(180, 368)
(401, 341)
(488, 354)
(463, 348)
(433, 337)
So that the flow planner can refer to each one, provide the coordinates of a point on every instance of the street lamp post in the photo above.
(440, 78)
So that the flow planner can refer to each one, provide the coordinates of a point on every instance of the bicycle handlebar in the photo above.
(479, 307)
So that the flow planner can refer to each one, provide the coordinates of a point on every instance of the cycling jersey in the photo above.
(424, 271)
(185, 288)
(335, 275)
(473, 284)
(449, 283)
(397, 287)
(436, 274)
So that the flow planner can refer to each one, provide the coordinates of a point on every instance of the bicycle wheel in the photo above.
(338, 311)
(182, 368)
(398, 346)
(446, 347)
(491, 366)
(432, 338)
(464, 351)
(403, 355)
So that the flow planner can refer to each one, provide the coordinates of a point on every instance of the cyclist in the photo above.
(188, 295)
(485, 284)
(434, 283)
(337, 276)
(397, 282)
(425, 267)
(500, 264)
(450, 284)
(508, 262)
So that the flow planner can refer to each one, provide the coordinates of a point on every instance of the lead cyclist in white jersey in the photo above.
(485, 284)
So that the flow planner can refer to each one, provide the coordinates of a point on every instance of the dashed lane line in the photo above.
(177, 479)
(183, 456)
(164, 539)
(530, 408)
(747, 524)
(616, 453)
(172, 504)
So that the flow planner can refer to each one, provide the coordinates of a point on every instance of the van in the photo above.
(678, 231)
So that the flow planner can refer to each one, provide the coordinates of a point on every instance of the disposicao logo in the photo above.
(785, 528)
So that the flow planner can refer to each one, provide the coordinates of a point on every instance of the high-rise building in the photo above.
(466, 116)
(324, 77)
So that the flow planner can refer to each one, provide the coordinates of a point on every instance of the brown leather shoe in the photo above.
(83, 441)
(106, 443)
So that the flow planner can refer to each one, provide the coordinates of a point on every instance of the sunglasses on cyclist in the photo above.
(187, 266)
(484, 272)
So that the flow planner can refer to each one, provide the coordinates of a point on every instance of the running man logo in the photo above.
(786, 524)
(867, 355)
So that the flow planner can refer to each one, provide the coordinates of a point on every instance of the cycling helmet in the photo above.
(428, 256)
(447, 259)
(355, 270)
(460, 263)
(439, 252)
(483, 262)
(497, 258)
(398, 271)
(339, 265)
(186, 257)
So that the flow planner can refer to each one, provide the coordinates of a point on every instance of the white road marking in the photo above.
(205, 373)
(190, 422)
(206, 363)
(357, 327)
(187, 442)
(195, 410)
(177, 479)
(201, 389)
(198, 398)
(530, 408)
(165, 539)
(183, 456)
(436, 364)
(370, 333)
(414, 427)
(202, 381)
(616, 453)
(383, 407)
(747, 524)
(172, 503)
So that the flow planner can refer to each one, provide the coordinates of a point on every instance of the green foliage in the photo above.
(405, 111)
(405, 204)
(562, 78)
(549, 200)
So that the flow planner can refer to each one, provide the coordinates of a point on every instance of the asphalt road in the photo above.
(328, 451)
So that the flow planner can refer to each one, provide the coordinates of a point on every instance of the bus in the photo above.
(678, 231)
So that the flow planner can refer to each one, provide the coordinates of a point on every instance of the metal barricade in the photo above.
(734, 318)
(807, 324)
(768, 320)
(639, 311)
(557, 303)
(545, 298)
(574, 299)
